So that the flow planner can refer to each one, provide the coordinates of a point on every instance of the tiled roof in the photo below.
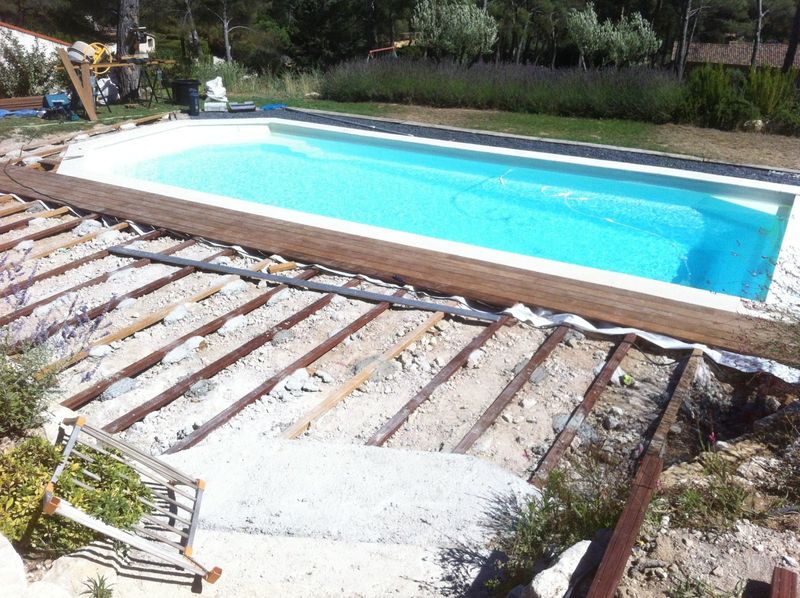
(4, 25)
(738, 53)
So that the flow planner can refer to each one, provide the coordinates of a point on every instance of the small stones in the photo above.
(310, 386)
(611, 422)
(120, 387)
(183, 351)
(233, 325)
(233, 288)
(324, 376)
(538, 375)
(790, 561)
(475, 358)
(559, 421)
(364, 363)
(100, 351)
(200, 388)
(177, 314)
(281, 295)
(296, 380)
(126, 303)
(573, 337)
(86, 227)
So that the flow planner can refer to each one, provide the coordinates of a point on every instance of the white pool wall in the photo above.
(99, 159)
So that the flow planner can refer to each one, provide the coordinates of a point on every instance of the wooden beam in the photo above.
(178, 389)
(337, 396)
(398, 419)
(85, 396)
(84, 94)
(73, 242)
(46, 232)
(626, 530)
(509, 392)
(16, 207)
(328, 344)
(22, 222)
(567, 435)
(784, 583)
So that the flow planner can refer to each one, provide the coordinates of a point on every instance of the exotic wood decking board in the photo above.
(496, 283)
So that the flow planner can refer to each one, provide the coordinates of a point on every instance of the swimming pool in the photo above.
(622, 224)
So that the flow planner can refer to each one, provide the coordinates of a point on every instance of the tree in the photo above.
(127, 40)
(193, 38)
(760, 14)
(794, 36)
(586, 32)
(225, 17)
(454, 28)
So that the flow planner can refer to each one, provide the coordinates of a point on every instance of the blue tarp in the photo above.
(273, 106)
(5, 113)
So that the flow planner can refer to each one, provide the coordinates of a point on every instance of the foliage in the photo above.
(771, 91)
(454, 28)
(24, 72)
(239, 80)
(629, 41)
(98, 587)
(24, 471)
(569, 510)
(714, 98)
(23, 392)
(715, 504)
(634, 94)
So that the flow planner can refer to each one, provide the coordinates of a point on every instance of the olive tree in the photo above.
(454, 28)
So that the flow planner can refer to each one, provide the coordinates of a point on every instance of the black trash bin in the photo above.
(180, 90)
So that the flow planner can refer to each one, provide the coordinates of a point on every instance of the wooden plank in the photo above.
(22, 222)
(112, 303)
(84, 94)
(566, 436)
(398, 419)
(147, 321)
(626, 530)
(85, 396)
(22, 103)
(328, 344)
(494, 283)
(337, 396)
(178, 389)
(72, 242)
(46, 232)
(16, 207)
(784, 583)
(58, 270)
(494, 410)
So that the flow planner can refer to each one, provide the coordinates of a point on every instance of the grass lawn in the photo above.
(33, 128)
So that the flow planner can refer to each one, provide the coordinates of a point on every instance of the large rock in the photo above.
(572, 565)
(12, 571)
(46, 589)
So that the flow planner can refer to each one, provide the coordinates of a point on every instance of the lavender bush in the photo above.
(633, 93)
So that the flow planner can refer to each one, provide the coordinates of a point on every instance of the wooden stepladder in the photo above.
(167, 530)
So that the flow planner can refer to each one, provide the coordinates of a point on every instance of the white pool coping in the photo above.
(96, 158)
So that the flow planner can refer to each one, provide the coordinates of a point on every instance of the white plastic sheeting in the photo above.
(215, 90)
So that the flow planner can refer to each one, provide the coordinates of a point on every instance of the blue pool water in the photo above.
(632, 224)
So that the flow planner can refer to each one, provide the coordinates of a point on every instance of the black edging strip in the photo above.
(305, 284)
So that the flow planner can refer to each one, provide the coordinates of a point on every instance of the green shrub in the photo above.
(454, 28)
(240, 80)
(771, 91)
(714, 98)
(25, 72)
(631, 93)
(23, 390)
(24, 472)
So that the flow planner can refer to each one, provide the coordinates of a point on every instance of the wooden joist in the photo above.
(46, 232)
(784, 583)
(167, 396)
(626, 531)
(509, 392)
(22, 222)
(85, 396)
(337, 396)
(398, 419)
(567, 435)
(67, 243)
(327, 345)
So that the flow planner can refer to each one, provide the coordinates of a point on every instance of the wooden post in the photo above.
(84, 93)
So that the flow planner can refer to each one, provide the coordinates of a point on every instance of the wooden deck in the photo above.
(493, 283)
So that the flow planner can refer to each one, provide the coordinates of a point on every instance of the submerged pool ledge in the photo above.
(723, 325)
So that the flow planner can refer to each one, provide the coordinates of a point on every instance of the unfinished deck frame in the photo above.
(495, 283)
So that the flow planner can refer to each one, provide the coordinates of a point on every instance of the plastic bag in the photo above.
(215, 90)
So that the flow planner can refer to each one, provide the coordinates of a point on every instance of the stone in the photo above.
(364, 363)
(573, 337)
(200, 388)
(718, 571)
(387, 369)
(234, 288)
(100, 351)
(475, 358)
(572, 564)
(790, 561)
(296, 380)
(86, 227)
(183, 351)
(611, 422)
(283, 336)
(46, 589)
(126, 303)
(177, 314)
(324, 376)
(24, 246)
(281, 295)
(538, 375)
(310, 386)
(559, 421)
(12, 570)
(772, 404)
(119, 388)
(520, 366)
(233, 325)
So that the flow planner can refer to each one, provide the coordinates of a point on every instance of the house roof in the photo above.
(738, 53)
(4, 25)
